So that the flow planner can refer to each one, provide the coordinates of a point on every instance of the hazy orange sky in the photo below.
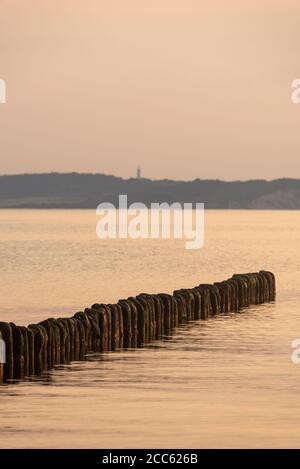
(185, 88)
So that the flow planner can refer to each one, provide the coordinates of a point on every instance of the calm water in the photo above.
(226, 382)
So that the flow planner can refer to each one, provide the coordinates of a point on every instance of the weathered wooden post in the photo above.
(205, 302)
(158, 311)
(65, 323)
(95, 334)
(7, 337)
(104, 321)
(166, 301)
(24, 333)
(115, 326)
(181, 307)
(31, 359)
(149, 305)
(18, 350)
(62, 340)
(270, 277)
(147, 318)
(197, 303)
(46, 324)
(134, 324)
(40, 347)
(142, 323)
(127, 322)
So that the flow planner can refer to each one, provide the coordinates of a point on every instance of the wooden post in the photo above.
(8, 368)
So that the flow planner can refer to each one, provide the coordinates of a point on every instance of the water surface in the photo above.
(225, 382)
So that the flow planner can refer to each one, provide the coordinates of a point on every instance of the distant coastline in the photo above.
(86, 191)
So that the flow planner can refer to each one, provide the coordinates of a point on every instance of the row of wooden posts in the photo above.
(129, 323)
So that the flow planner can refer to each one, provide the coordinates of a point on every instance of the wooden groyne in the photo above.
(129, 323)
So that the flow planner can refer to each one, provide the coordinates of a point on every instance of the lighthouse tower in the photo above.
(138, 172)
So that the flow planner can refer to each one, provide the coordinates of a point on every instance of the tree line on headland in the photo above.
(83, 190)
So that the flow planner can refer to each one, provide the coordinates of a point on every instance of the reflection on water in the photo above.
(227, 382)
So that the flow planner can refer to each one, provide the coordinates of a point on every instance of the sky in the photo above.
(186, 89)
